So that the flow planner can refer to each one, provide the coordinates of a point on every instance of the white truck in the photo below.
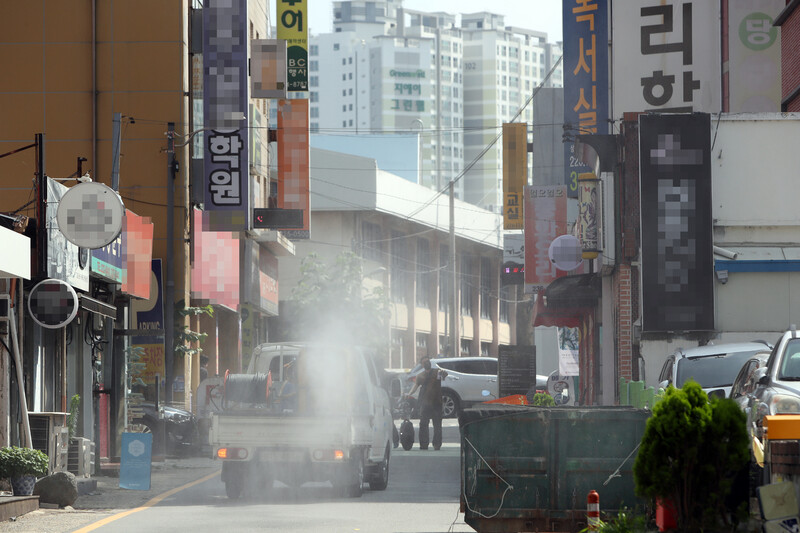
(337, 427)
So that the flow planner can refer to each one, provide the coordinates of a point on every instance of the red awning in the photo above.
(569, 317)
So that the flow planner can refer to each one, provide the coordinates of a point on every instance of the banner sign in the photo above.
(137, 245)
(666, 56)
(268, 66)
(149, 315)
(677, 238)
(215, 270)
(108, 262)
(569, 341)
(754, 56)
(585, 25)
(260, 278)
(545, 219)
(589, 215)
(65, 261)
(515, 173)
(513, 272)
(294, 162)
(225, 106)
(292, 23)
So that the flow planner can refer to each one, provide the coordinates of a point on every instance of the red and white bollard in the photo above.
(593, 511)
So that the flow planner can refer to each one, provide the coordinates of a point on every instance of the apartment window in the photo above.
(344, 107)
(344, 61)
(344, 123)
(313, 50)
(423, 273)
(445, 283)
(350, 91)
(372, 242)
(344, 92)
(505, 298)
(313, 81)
(335, 46)
(466, 344)
(344, 77)
(350, 107)
(313, 96)
(466, 286)
(313, 65)
(443, 344)
(422, 344)
(350, 60)
(485, 347)
(314, 112)
(314, 127)
(399, 266)
(350, 76)
(486, 288)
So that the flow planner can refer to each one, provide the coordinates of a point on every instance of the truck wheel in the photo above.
(234, 487)
(356, 486)
(380, 478)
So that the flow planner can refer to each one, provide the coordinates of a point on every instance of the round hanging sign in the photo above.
(90, 215)
(53, 303)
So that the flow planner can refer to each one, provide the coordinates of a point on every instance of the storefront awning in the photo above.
(566, 300)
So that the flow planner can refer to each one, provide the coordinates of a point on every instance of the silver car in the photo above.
(778, 385)
(713, 366)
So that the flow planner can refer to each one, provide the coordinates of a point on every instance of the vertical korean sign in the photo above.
(585, 25)
(754, 56)
(545, 219)
(655, 64)
(293, 161)
(515, 173)
(677, 240)
(292, 22)
(225, 104)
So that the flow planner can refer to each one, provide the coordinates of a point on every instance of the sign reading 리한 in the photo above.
(134, 468)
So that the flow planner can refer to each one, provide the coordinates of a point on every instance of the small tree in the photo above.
(186, 338)
(690, 454)
(331, 303)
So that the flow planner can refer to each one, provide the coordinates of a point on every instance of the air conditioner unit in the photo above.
(51, 436)
(81, 457)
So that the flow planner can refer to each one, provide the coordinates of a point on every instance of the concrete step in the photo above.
(11, 506)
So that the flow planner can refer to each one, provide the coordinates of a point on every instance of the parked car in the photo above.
(467, 378)
(778, 383)
(746, 381)
(713, 366)
(180, 427)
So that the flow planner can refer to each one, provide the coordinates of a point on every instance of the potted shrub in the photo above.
(22, 466)
(691, 455)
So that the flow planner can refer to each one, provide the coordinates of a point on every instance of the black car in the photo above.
(178, 425)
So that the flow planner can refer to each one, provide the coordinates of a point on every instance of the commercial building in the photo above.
(401, 232)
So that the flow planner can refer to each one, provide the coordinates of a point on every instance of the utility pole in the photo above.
(169, 291)
(454, 339)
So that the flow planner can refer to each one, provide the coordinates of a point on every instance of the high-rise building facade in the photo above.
(386, 69)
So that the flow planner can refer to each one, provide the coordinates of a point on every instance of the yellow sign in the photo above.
(292, 26)
(515, 173)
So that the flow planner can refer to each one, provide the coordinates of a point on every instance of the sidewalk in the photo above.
(108, 499)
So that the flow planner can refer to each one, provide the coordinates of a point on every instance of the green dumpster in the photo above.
(527, 468)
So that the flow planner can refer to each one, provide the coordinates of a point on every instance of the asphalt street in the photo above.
(187, 495)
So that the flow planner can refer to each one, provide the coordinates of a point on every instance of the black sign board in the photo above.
(677, 230)
(274, 218)
(516, 370)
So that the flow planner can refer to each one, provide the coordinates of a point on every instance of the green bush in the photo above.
(543, 400)
(691, 453)
(15, 462)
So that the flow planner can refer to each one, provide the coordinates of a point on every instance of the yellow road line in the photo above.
(149, 503)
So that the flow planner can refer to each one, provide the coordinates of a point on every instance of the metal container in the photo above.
(527, 468)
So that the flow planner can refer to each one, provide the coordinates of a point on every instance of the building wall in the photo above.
(790, 61)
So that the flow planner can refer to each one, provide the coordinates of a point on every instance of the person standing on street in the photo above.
(429, 383)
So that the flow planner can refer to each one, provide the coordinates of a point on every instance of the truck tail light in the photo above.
(328, 455)
(232, 453)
